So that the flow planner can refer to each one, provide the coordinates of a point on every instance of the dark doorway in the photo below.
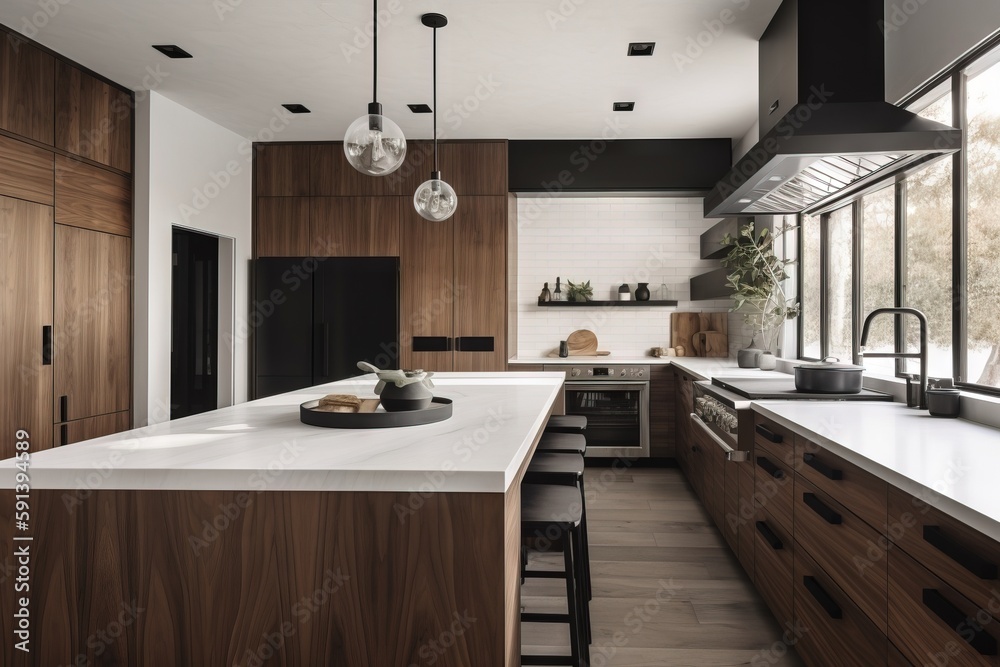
(194, 334)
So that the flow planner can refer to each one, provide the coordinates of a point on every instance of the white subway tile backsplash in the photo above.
(610, 240)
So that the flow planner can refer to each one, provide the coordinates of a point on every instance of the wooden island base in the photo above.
(222, 578)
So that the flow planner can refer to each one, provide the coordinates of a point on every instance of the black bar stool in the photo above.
(552, 513)
(567, 470)
(563, 443)
(566, 424)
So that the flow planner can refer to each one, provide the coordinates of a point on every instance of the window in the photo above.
(811, 287)
(928, 278)
(925, 220)
(839, 282)
(878, 272)
(982, 250)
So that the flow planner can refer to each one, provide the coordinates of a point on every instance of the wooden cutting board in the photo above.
(710, 344)
(582, 343)
(683, 326)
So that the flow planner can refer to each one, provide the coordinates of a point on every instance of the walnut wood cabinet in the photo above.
(26, 323)
(65, 226)
(453, 274)
(662, 420)
(878, 577)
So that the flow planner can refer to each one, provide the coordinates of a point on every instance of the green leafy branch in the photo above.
(756, 276)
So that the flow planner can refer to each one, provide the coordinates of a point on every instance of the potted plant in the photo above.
(756, 275)
(580, 291)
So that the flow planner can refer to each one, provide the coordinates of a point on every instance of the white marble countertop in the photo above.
(262, 445)
(704, 367)
(951, 464)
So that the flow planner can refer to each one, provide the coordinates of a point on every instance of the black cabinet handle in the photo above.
(47, 345)
(769, 535)
(475, 344)
(771, 469)
(823, 469)
(431, 344)
(965, 627)
(832, 609)
(972, 562)
(64, 408)
(818, 506)
(63, 435)
(769, 434)
(326, 350)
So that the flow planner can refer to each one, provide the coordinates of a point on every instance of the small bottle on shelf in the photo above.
(546, 295)
(557, 295)
(662, 295)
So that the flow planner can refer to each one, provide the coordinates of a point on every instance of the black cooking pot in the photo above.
(829, 377)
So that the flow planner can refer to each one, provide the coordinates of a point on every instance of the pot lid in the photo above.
(830, 364)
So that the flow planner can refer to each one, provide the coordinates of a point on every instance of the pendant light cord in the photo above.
(374, 51)
(435, 99)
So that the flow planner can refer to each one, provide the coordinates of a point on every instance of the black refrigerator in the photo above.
(313, 318)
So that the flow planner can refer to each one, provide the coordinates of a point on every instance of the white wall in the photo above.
(190, 173)
(610, 240)
(924, 37)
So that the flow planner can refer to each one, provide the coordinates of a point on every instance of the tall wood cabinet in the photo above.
(65, 228)
(453, 274)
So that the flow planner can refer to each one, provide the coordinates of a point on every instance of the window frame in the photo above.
(954, 80)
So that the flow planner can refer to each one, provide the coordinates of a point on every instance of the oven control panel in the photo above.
(598, 373)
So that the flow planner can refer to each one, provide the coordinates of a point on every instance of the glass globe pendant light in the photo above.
(435, 200)
(373, 144)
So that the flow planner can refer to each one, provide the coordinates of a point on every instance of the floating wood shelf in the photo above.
(602, 304)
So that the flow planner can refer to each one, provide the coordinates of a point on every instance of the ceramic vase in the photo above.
(642, 292)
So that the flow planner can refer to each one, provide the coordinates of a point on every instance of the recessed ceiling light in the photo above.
(623, 106)
(419, 108)
(746, 201)
(641, 48)
(297, 108)
(774, 179)
(172, 51)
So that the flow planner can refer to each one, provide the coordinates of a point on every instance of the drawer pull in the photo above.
(771, 469)
(820, 467)
(965, 627)
(832, 609)
(769, 434)
(769, 536)
(972, 562)
(818, 506)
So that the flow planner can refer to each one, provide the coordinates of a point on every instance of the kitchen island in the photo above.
(244, 537)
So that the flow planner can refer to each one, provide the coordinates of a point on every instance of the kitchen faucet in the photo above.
(921, 401)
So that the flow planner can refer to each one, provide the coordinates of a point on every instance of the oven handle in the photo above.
(731, 454)
(608, 386)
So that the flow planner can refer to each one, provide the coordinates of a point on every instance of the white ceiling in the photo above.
(557, 65)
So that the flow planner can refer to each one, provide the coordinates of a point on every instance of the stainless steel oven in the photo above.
(615, 401)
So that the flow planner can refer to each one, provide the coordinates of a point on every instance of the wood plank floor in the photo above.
(667, 590)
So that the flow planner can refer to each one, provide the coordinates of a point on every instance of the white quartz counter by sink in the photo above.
(262, 445)
(951, 464)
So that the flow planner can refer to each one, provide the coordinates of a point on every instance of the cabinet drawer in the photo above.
(768, 433)
(774, 482)
(773, 564)
(861, 492)
(731, 519)
(958, 554)
(747, 512)
(835, 631)
(932, 624)
(844, 546)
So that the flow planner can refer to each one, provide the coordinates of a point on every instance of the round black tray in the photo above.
(438, 411)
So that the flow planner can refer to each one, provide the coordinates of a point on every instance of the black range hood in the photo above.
(825, 125)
